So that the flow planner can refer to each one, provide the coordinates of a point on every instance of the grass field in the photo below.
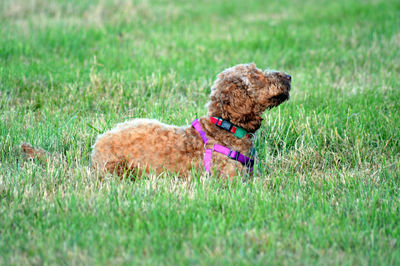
(328, 185)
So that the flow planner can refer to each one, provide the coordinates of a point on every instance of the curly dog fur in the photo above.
(240, 95)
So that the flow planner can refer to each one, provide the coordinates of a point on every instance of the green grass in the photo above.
(328, 187)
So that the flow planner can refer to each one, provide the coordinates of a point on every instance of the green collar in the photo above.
(228, 126)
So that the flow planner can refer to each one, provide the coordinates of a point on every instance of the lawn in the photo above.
(327, 188)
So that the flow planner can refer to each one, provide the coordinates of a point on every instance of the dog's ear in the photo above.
(235, 101)
(238, 107)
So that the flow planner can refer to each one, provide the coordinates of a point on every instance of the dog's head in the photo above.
(243, 92)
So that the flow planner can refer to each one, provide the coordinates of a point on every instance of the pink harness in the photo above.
(235, 155)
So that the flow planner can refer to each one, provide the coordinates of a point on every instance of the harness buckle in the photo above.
(236, 155)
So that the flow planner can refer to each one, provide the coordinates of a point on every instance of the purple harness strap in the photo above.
(235, 155)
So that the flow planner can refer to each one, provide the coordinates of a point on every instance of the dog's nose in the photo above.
(288, 77)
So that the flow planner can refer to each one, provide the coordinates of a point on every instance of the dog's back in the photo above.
(144, 144)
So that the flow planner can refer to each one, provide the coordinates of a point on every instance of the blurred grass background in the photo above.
(328, 188)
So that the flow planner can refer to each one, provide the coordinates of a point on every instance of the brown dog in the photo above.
(239, 96)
